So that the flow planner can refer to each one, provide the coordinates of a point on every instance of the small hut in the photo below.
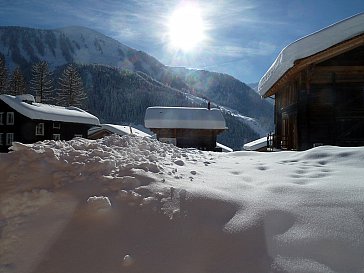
(186, 127)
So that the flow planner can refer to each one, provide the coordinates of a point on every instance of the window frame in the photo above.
(56, 137)
(39, 129)
(56, 125)
(9, 139)
(10, 118)
(1, 118)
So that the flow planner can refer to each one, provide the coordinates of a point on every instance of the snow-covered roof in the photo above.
(119, 130)
(25, 105)
(310, 45)
(223, 147)
(256, 144)
(184, 118)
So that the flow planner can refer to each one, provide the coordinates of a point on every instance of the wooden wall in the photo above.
(190, 138)
(323, 104)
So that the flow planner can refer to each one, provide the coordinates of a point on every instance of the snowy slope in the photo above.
(60, 46)
(249, 121)
(310, 45)
(128, 204)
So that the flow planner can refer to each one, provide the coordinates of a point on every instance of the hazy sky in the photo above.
(241, 37)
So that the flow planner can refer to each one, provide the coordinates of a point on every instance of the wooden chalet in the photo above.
(24, 120)
(186, 127)
(318, 85)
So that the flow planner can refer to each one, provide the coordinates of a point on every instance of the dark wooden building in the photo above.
(24, 120)
(318, 85)
(186, 127)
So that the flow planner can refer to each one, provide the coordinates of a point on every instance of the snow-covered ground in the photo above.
(128, 204)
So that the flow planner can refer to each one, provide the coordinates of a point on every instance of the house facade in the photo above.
(318, 85)
(24, 120)
(186, 127)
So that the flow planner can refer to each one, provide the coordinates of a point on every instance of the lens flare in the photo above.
(186, 28)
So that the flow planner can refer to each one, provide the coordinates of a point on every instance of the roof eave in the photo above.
(321, 56)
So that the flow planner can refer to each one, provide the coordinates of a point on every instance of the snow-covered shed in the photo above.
(108, 129)
(186, 126)
(318, 84)
(24, 120)
(259, 145)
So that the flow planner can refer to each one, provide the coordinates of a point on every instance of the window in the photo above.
(39, 129)
(10, 118)
(9, 139)
(1, 139)
(56, 125)
(56, 137)
(1, 118)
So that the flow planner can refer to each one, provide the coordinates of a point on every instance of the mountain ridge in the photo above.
(24, 46)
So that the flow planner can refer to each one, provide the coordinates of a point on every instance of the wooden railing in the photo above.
(277, 142)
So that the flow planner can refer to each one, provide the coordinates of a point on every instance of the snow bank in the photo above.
(135, 204)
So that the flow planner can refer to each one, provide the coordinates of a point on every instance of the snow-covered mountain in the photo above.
(81, 45)
(254, 86)
(24, 46)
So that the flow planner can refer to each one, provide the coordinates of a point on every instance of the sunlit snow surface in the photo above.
(128, 204)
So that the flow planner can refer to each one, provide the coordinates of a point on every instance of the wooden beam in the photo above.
(340, 69)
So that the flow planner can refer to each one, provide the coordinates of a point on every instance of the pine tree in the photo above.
(17, 85)
(3, 75)
(71, 91)
(41, 83)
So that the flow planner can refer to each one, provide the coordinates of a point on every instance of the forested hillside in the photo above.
(122, 82)
(122, 97)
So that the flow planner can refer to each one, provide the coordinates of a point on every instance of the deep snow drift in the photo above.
(128, 204)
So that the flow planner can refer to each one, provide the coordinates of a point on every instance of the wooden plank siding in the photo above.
(323, 102)
(203, 139)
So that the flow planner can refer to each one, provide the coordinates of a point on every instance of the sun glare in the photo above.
(186, 28)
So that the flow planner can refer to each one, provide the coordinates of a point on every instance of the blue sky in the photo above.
(243, 37)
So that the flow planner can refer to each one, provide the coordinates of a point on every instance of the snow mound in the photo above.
(134, 203)
(99, 203)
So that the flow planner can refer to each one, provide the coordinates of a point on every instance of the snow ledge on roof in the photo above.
(25, 105)
(310, 45)
(184, 118)
(256, 144)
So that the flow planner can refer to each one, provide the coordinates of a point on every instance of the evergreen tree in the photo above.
(41, 83)
(17, 85)
(71, 91)
(3, 75)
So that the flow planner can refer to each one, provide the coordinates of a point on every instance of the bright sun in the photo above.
(185, 27)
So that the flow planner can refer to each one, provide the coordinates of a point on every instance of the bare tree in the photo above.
(41, 83)
(17, 85)
(71, 91)
(3, 75)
